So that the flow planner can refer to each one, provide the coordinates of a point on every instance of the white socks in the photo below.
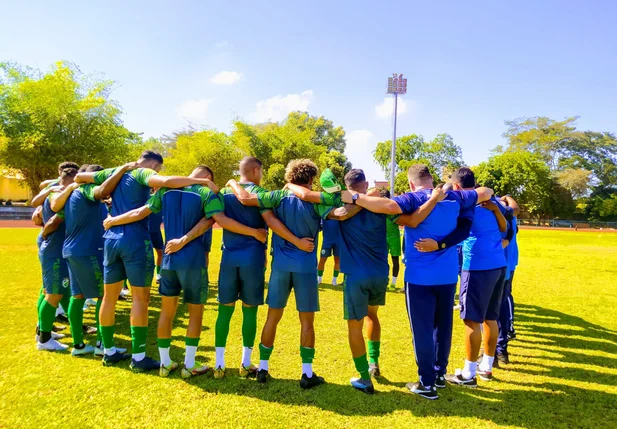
(220, 357)
(334, 281)
(307, 368)
(393, 283)
(164, 354)
(110, 351)
(487, 363)
(139, 356)
(189, 357)
(469, 370)
(319, 278)
(246, 356)
(263, 364)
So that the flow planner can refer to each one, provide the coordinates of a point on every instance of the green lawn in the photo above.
(564, 370)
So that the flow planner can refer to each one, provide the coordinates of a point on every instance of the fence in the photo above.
(564, 223)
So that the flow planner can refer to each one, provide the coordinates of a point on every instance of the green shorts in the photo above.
(360, 292)
(394, 243)
(193, 282)
(304, 286)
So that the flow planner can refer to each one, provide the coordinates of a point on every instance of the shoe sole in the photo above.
(437, 386)
(368, 392)
(430, 398)
(485, 378)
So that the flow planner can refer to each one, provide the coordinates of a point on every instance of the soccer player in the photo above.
(55, 271)
(506, 315)
(393, 237)
(185, 270)
(430, 278)
(47, 186)
(156, 237)
(482, 280)
(83, 214)
(329, 247)
(292, 268)
(128, 254)
(241, 275)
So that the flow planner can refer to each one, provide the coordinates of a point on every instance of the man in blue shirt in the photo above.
(430, 277)
(185, 269)
(329, 247)
(128, 254)
(482, 280)
(83, 214)
(156, 238)
(292, 268)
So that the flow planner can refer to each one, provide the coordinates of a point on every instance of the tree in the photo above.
(61, 115)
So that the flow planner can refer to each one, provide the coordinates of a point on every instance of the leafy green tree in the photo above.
(61, 115)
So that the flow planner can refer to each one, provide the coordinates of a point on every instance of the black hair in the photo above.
(83, 168)
(207, 169)
(68, 172)
(354, 177)
(68, 164)
(151, 155)
(93, 168)
(464, 177)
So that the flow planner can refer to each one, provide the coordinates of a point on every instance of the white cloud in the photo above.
(386, 107)
(195, 110)
(359, 151)
(278, 107)
(226, 78)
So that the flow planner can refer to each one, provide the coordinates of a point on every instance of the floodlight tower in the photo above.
(396, 85)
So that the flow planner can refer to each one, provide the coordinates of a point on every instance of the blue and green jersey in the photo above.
(51, 247)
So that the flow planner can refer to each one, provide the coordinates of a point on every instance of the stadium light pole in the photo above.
(396, 85)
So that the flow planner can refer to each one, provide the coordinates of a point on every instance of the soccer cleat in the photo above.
(158, 279)
(51, 346)
(146, 364)
(99, 351)
(89, 330)
(247, 372)
(374, 370)
(197, 369)
(58, 328)
(481, 356)
(109, 360)
(423, 391)
(219, 373)
(457, 307)
(62, 318)
(485, 375)
(512, 335)
(501, 359)
(86, 350)
(459, 380)
(440, 382)
(365, 386)
(262, 376)
(125, 292)
(164, 371)
(309, 383)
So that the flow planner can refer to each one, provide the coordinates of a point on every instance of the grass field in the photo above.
(563, 375)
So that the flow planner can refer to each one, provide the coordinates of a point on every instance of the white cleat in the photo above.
(54, 336)
(456, 307)
(52, 346)
(124, 292)
(88, 349)
(89, 302)
(100, 351)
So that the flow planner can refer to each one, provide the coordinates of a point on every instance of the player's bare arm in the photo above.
(501, 220)
(57, 203)
(511, 202)
(37, 216)
(245, 198)
(107, 187)
(175, 182)
(305, 244)
(132, 216)
(175, 245)
(229, 224)
(343, 213)
(416, 218)
(52, 224)
(371, 203)
(40, 198)
(304, 194)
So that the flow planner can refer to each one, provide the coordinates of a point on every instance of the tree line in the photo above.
(553, 169)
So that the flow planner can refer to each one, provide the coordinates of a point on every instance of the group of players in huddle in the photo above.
(91, 250)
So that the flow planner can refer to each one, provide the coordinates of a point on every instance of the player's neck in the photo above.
(246, 181)
(422, 188)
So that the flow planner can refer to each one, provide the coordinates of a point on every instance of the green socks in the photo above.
(373, 351)
(138, 337)
(47, 315)
(249, 326)
(97, 312)
(362, 367)
(163, 343)
(107, 333)
(66, 301)
(307, 354)
(76, 319)
(38, 306)
(221, 330)
(336, 273)
(265, 352)
(158, 269)
(320, 273)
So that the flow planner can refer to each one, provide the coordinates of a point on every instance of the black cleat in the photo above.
(308, 383)
(262, 376)
(365, 386)
(109, 360)
(421, 390)
(501, 359)
(460, 381)
(440, 382)
(512, 335)
(62, 318)
(146, 364)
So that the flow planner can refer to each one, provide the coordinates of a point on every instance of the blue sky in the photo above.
(470, 65)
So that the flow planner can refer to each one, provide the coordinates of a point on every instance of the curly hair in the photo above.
(300, 171)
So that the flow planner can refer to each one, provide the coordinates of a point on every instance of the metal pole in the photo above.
(393, 161)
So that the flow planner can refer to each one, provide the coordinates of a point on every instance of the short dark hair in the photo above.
(384, 193)
(68, 164)
(419, 172)
(152, 156)
(464, 177)
(94, 167)
(354, 177)
(206, 169)
(300, 171)
(83, 168)
(248, 163)
(68, 172)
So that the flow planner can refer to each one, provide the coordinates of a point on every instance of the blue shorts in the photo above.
(193, 281)
(156, 237)
(359, 292)
(481, 294)
(243, 283)
(129, 259)
(86, 275)
(329, 249)
(206, 240)
(304, 286)
(55, 275)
